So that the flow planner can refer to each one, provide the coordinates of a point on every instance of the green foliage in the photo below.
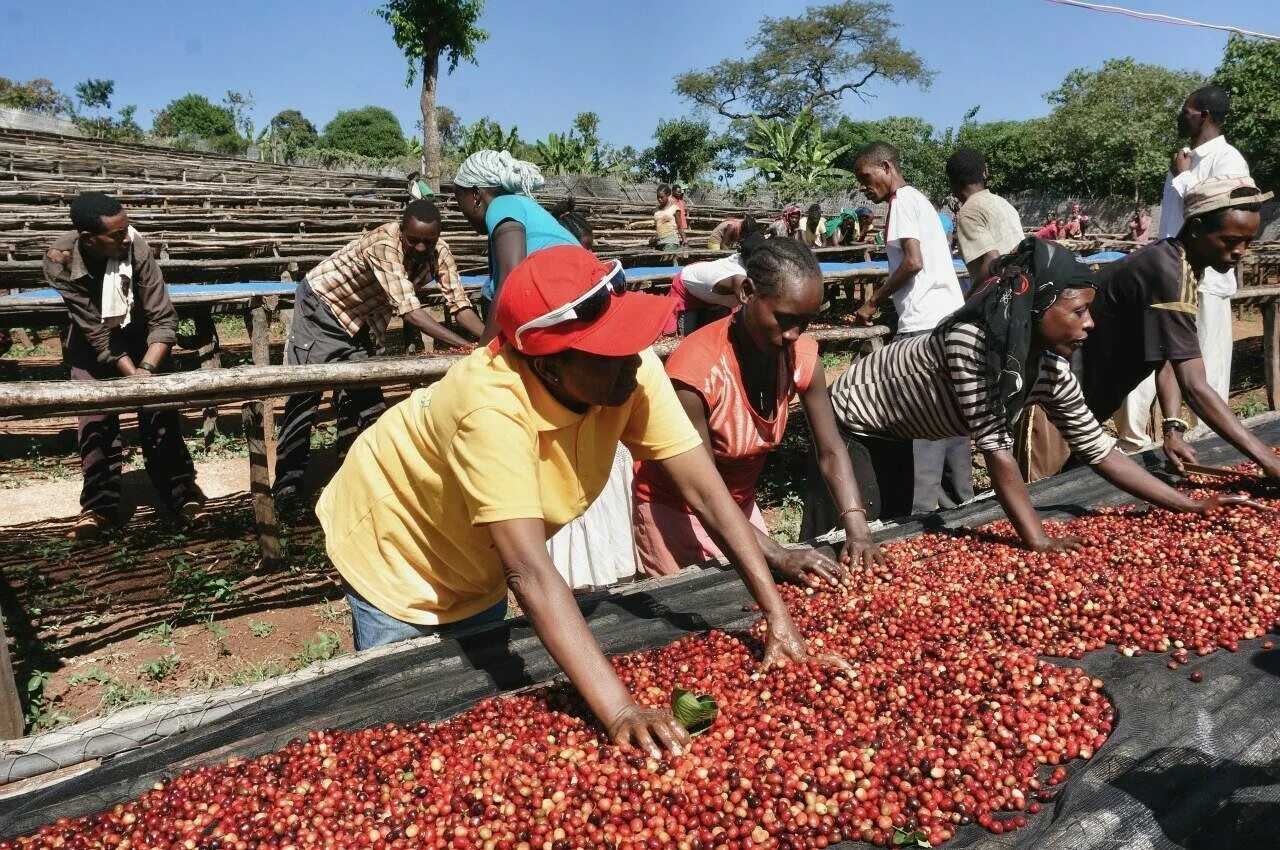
(808, 62)
(38, 95)
(1250, 70)
(1018, 153)
(161, 633)
(794, 155)
(197, 588)
(370, 131)
(487, 134)
(1112, 130)
(93, 114)
(695, 712)
(196, 116)
(449, 125)
(159, 669)
(683, 149)
(427, 29)
(289, 132)
(261, 629)
(323, 646)
(95, 94)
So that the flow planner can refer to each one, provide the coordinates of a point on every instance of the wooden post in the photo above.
(11, 720)
(257, 322)
(210, 358)
(1271, 351)
(264, 507)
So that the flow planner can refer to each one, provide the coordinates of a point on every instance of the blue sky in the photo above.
(547, 60)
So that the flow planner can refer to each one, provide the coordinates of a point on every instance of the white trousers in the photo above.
(598, 548)
(1213, 327)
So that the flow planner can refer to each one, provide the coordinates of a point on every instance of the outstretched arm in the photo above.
(1210, 407)
(1012, 493)
(548, 603)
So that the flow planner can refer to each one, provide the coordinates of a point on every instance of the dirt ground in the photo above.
(160, 610)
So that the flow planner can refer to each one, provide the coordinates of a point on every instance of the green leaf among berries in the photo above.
(695, 712)
(916, 838)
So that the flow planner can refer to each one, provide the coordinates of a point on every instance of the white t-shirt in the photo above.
(700, 279)
(1215, 158)
(934, 293)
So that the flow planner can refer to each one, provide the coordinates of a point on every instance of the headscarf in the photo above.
(499, 169)
(833, 224)
(792, 209)
(1008, 304)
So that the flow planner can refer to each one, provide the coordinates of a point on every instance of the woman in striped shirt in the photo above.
(736, 379)
(1007, 347)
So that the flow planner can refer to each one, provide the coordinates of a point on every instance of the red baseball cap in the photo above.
(549, 279)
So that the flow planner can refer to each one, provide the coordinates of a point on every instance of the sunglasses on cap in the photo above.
(587, 307)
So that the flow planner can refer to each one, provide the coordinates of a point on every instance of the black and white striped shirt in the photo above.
(935, 386)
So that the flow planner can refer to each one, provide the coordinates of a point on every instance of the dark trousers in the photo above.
(168, 463)
(317, 337)
(943, 476)
(884, 470)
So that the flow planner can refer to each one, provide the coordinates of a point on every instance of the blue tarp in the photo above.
(1105, 257)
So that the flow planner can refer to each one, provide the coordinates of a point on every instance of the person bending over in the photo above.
(1007, 347)
(449, 499)
(736, 379)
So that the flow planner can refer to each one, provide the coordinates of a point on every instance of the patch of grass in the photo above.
(198, 588)
(159, 669)
(261, 629)
(39, 711)
(161, 633)
(1251, 405)
(324, 436)
(258, 672)
(835, 359)
(95, 675)
(323, 646)
(330, 613)
(117, 695)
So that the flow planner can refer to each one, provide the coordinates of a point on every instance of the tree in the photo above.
(240, 104)
(1250, 70)
(1113, 129)
(564, 153)
(290, 131)
(425, 30)
(94, 96)
(371, 131)
(807, 62)
(794, 154)
(38, 95)
(684, 148)
(449, 126)
(194, 115)
(1018, 153)
(922, 152)
(487, 134)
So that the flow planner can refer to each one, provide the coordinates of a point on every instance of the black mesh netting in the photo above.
(1194, 765)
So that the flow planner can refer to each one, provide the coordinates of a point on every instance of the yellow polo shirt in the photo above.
(404, 518)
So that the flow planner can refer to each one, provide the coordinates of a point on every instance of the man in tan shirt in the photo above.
(987, 225)
(341, 314)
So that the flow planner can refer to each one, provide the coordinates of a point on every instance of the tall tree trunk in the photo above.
(430, 128)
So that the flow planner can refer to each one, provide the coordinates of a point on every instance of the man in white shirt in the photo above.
(923, 286)
(1201, 121)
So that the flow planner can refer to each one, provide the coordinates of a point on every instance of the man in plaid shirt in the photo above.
(341, 313)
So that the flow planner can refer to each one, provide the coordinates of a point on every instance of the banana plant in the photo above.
(793, 153)
(487, 134)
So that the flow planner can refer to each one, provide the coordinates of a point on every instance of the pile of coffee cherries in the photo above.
(947, 716)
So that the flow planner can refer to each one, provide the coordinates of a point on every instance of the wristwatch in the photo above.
(147, 366)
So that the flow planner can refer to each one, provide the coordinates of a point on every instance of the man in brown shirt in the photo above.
(122, 324)
(341, 314)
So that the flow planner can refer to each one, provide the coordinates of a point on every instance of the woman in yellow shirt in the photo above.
(668, 221)
(450, 497)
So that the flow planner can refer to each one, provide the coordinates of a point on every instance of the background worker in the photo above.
(987, 226)
(341, 312)
(122, 324)
(494, 193)
(924, 288)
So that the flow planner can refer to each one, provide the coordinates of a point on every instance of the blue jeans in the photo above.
(371, 626)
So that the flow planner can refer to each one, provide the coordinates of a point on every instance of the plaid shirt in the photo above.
(366, 283)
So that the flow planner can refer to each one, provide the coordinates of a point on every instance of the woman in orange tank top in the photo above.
(736, 379)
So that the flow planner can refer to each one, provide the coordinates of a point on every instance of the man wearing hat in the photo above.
(1145, 318)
